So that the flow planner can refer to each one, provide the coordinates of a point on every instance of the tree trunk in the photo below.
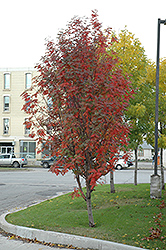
(80, 187)
(89, 205)
(112, 188)
(162, 169)
(136, 164)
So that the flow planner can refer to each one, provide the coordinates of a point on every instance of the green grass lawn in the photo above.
(125, 216)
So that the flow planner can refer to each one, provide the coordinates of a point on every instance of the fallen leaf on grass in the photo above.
(12, 237)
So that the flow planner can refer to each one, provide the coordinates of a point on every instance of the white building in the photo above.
(14, 136)
(145, 151)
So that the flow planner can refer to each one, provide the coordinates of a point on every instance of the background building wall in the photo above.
(16, 137)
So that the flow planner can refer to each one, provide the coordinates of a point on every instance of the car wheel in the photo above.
(45, 165)
(119, 167)
(16, 164)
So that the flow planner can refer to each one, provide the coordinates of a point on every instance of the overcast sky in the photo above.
(26, 23)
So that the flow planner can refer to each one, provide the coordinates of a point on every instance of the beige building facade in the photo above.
(14, 136)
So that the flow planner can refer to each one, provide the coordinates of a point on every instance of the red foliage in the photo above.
(155, 233)
(78, 101)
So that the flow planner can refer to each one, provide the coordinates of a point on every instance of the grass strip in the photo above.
(125, 216)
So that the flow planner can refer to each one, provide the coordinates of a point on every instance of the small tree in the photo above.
(133, 61)
(112, 187)
(77, 102)
(136, 116)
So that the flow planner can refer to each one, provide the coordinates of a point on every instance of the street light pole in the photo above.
(157, 94)
(155, 187)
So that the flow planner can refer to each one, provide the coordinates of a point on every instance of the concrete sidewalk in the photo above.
(9, 244)
(53, 237)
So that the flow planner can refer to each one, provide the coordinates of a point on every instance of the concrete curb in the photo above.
(61, 238)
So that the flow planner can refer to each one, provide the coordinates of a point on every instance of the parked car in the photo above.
(122, 163)
(46, 163)
(130, 163)
(11, 160)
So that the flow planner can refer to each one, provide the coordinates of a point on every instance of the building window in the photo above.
(27, 127)
(28, 80)
(6, 81)
(28, 102)
(140, 152)
(6, 103)
(28, 149)
(6, 126)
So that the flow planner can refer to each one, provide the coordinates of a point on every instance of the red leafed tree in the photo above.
(77, 102)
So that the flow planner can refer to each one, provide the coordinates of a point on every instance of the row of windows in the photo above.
(6, 127)
(27, 149)
(7, 81)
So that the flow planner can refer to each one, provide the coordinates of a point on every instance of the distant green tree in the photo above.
(134, 62)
